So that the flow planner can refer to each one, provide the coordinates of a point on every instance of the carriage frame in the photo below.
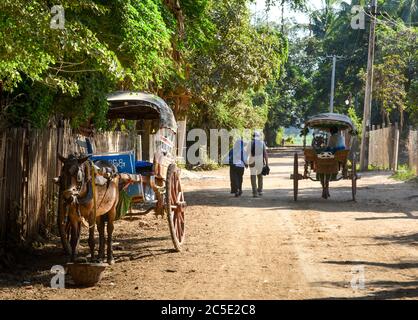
(158, 188)
(327, 166)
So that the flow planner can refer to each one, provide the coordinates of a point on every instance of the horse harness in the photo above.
(107, 171)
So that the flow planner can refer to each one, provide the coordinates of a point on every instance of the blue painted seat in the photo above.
(125, 163)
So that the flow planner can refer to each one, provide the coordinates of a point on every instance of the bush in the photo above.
(207, 164)
(404, 174)
(279, 136)
(290, 140)
(356, 120)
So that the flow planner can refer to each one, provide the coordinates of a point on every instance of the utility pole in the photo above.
(331, 103)
(334, 63)
(368, 92)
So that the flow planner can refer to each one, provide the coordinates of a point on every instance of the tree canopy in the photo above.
(304, 87)
(195, 54)
(208, 59)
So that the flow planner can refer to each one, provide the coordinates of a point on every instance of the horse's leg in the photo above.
(75, 238)
(101, 229)
(326, 186)
(110, 220)
(91, 236)
(322, 178)
(329, 179)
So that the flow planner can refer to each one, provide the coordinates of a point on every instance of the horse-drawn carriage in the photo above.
(328, 164)
(150, 185)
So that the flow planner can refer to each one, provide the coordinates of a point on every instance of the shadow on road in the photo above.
(33, 266)
(381, 290)
(396, 265)
(308, 199)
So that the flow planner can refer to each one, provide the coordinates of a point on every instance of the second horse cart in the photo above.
(325, 164)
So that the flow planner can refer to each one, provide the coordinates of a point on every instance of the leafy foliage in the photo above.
(229, 77)
(304, 88)
(193, 53)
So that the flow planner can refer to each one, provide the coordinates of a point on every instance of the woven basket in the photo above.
(86, 274)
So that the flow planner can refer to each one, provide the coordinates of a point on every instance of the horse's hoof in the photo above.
(111, 261)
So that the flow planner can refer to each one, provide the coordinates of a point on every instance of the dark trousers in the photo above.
(236, 174)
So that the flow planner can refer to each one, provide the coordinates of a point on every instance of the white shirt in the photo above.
(259, 147)
(336, 141)
(240, 156)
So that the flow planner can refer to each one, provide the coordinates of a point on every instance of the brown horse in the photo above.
(79, 200)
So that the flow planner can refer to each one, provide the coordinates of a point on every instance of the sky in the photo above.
(275, 12)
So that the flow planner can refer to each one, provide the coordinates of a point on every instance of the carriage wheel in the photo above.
(175, 206)
(64, 227)
(295, 178)
(354, 178)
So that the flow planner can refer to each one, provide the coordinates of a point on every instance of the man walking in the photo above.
(238, 160)
(258, 159)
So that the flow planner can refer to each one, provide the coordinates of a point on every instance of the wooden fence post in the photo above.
(372, 136)
(3, 136)
(396, 147)
(181, 140)
(138, 147)
(416, 152)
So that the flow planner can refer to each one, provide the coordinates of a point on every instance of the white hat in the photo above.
(257, 134)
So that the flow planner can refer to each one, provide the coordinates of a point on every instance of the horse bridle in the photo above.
(74, 199)
(82, 180)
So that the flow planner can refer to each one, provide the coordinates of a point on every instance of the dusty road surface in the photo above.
(263, 248)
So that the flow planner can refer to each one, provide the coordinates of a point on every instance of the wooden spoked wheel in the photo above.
(295, 177)
(64, 227)
(175, 206)
(354, 178)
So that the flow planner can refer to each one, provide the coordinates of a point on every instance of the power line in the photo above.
(389, 21)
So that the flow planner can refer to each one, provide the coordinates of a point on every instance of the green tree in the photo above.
(227, 79)
(123, 45)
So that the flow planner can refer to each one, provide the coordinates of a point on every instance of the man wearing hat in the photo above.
(258, 159)
(238, 161)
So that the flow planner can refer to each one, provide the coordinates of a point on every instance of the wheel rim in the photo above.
(176, 209)
(295, 178)
(354, 180)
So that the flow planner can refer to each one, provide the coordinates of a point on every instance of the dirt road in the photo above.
(263, 248)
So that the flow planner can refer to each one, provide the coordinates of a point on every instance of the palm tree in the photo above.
(407, 10)
(323, 19)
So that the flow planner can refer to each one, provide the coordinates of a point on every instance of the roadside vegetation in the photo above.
(404, 173)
